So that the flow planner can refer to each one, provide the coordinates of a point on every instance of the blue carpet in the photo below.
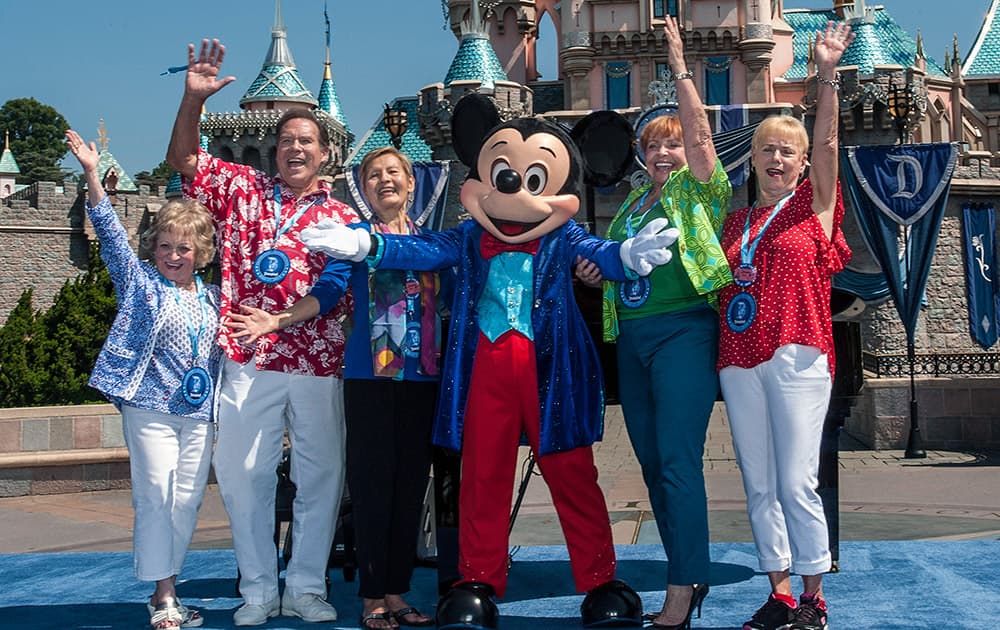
(881, 585)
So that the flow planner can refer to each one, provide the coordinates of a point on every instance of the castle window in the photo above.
(617, 84)
(663, 8)
(717, 75)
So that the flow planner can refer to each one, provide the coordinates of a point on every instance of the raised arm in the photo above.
(202, 80)
(88, 157)
(830, 47)
(697, 134)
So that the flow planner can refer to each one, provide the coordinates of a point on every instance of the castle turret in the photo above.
(475, 68)
(8, 168)
(114, 178)
(249, 137)
(328, 101)
(278, 80)
(980, 74)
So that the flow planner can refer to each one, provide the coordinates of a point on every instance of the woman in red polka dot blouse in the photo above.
(776, 343)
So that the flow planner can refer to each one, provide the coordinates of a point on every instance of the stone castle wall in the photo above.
(45, 238)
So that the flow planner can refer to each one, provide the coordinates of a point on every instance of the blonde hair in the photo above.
(784, 127)
(374, 154)
(184, 216)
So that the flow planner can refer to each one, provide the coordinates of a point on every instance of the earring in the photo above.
(409, 199)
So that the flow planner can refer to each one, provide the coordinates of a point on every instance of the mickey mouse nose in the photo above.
(508, 181)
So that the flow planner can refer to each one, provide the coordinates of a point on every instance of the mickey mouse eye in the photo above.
(498, 167)
(535, 179)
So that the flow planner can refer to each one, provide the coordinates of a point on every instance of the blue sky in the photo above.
(102, 59)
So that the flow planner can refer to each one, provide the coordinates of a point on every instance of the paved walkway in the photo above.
(882, 496)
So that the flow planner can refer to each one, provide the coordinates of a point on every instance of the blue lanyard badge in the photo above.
(412, 289)
(196, 384)
(635, 293)
(746, 274)
(742, 309)
(271, 266)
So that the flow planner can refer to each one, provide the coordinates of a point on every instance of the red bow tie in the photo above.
(490, 246)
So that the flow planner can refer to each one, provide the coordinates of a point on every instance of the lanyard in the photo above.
(193, 335)
(630, 219)
(280, 229)
(747, 248)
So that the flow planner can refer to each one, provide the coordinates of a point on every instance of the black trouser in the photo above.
(388, 464)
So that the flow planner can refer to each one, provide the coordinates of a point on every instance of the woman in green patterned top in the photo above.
(667, 330)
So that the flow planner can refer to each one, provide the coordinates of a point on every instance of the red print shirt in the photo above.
(241, 200)
(794, 262)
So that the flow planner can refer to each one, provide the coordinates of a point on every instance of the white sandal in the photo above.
(189, 617)
(165, 616)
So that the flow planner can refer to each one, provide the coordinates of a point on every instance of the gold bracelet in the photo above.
(680, 76)
(834, 82)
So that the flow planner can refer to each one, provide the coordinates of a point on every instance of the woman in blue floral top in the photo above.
(158, 366)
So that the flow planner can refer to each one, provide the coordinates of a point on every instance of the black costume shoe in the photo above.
(810, 614)
(613, 603)
(698, 596)
(468, 606)
(773, 615)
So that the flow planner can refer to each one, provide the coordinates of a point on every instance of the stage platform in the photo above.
(881, 585)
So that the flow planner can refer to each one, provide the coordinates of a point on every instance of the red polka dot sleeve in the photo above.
(795, 261)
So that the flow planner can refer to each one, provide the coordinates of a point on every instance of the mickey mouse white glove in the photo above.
(648, 249)
(337, 240)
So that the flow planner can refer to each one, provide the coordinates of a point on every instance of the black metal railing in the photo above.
(897, 365)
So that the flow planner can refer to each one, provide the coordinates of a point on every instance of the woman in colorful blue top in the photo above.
(667, 332)
(391, 378)
(158, 367)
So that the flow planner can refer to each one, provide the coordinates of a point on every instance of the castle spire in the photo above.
(8, 165)
(278, 81)
(328, 100)
(475, 60)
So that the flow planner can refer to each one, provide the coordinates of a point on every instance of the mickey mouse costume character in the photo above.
(519, 359)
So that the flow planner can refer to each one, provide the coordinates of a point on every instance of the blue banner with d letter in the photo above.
(894, 187)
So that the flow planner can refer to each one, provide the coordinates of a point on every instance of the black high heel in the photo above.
(697, 597)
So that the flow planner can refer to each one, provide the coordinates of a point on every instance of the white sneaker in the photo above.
(255, 614)
(309, 607)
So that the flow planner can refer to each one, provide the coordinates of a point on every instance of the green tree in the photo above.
(159, 177)
(36, 138)
(71, 334)
(15, 367)
(46, 358)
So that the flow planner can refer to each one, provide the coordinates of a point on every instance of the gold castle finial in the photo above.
(102, 135)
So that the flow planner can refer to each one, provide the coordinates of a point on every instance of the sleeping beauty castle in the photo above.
(750, 59)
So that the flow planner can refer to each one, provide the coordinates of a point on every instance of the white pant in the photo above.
(776, 413)
(169, 458)
(254, 407)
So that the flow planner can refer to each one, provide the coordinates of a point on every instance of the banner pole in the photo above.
(914, 443)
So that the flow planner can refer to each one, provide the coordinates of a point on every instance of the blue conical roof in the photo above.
(278, 79)
(8, 165)
(984, 56)
(328, 100)
(475, 61)
(878, 41)
(107, 162)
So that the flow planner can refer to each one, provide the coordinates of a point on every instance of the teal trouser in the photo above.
(668, 385)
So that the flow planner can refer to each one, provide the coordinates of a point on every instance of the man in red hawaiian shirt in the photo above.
(292, 376)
